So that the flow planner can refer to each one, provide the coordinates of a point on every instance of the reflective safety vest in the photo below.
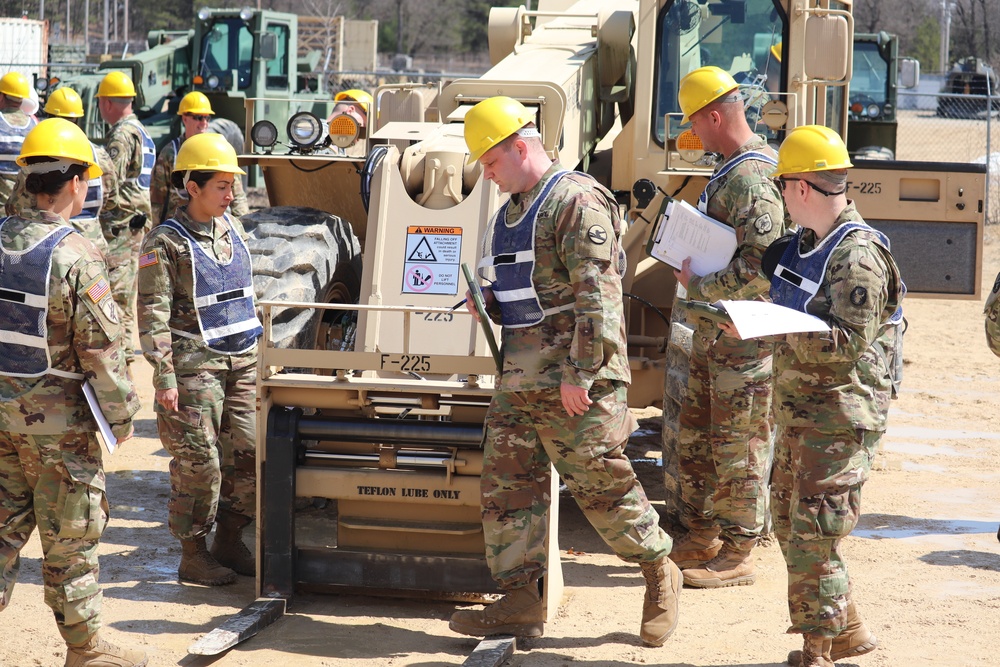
(148, 157)
(713, 183)
(24, 308)
(798, 276)
(223, 295)
(11, 138)
(513, 259)
(95, 196)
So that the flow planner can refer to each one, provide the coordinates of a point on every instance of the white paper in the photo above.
(103, 427)
(753, 319)
(687, 232)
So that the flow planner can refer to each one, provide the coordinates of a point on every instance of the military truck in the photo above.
(970, 90)
(876, 78)
(375, 383)
(230, 55)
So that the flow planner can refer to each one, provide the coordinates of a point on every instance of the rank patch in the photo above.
(859, 296)
(148, 259)
(98, 290)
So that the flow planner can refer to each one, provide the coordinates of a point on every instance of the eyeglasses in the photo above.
(781, 181)
(197, 118)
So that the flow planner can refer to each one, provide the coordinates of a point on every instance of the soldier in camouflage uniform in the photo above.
(14, 126)
(832, 389)
(51, 470)
(194, 111)
(561, 394)
(132, 151)
(102, 193)
(725, 426)
(205, 362)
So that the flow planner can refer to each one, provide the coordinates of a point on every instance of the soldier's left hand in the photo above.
(685, 274)
(574, 399)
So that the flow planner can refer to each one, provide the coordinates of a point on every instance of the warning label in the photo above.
(432, 261)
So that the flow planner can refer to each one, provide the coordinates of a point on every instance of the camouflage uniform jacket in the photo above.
(162, 192)
(82, 337)
(22, 200)
(839, 379)
(992, 311)
(586, 343)
(124, 146)
(747, 200)
(166, 300)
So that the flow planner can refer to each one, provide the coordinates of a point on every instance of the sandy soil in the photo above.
(925, 559)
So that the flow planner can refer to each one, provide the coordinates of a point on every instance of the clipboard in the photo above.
(484, 320)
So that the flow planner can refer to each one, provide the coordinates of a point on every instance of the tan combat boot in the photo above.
(696, 548)
(729, 568)
(228, 547)
(198, 566)
(99, 653)
(856, 639)
(517, 613)
(816, 651)
(660, 605)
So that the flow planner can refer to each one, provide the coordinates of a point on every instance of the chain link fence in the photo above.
(952, 128)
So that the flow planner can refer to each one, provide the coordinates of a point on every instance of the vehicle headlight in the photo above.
(344, 130)
(873, 111)
(41, 84)
(304, 129)
(264, 134)
(246, 14)
(213, 81)
(204, 13)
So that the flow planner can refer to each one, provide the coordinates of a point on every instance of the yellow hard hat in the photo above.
(491, 121)
(355, 95)
(59, 138)
(116, 84)
(207, 152)
(15, 84)
(65, 103)
(702, 86)
(811, 148)
(195, 103)
(776, 51)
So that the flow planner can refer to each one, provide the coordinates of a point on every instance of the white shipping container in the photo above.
(23, 46)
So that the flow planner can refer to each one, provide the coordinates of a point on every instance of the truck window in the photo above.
(735, 35)
(277, 67)
(227, 51)
(870, 78)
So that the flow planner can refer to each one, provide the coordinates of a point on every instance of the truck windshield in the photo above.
(735, 35)
(870, 77)
(227, 52)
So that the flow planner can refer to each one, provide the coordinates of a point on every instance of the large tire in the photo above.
(302, 254)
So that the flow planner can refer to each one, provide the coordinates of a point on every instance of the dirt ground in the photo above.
(925, 558)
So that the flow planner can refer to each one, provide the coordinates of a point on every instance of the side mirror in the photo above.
(827, 48)
(268, 46)
(909, 73)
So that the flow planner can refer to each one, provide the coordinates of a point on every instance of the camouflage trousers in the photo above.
(57, 483)
(212, 439)
(816, 501)
(123, 272)
(724, 447)
(527, 434)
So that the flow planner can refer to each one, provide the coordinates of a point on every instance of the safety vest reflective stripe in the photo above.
(148, 157)
(95, 196)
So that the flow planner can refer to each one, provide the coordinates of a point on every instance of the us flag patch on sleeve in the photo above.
(98, 290)
(148, 259)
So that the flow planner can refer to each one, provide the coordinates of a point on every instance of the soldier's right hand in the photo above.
(167, 398)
